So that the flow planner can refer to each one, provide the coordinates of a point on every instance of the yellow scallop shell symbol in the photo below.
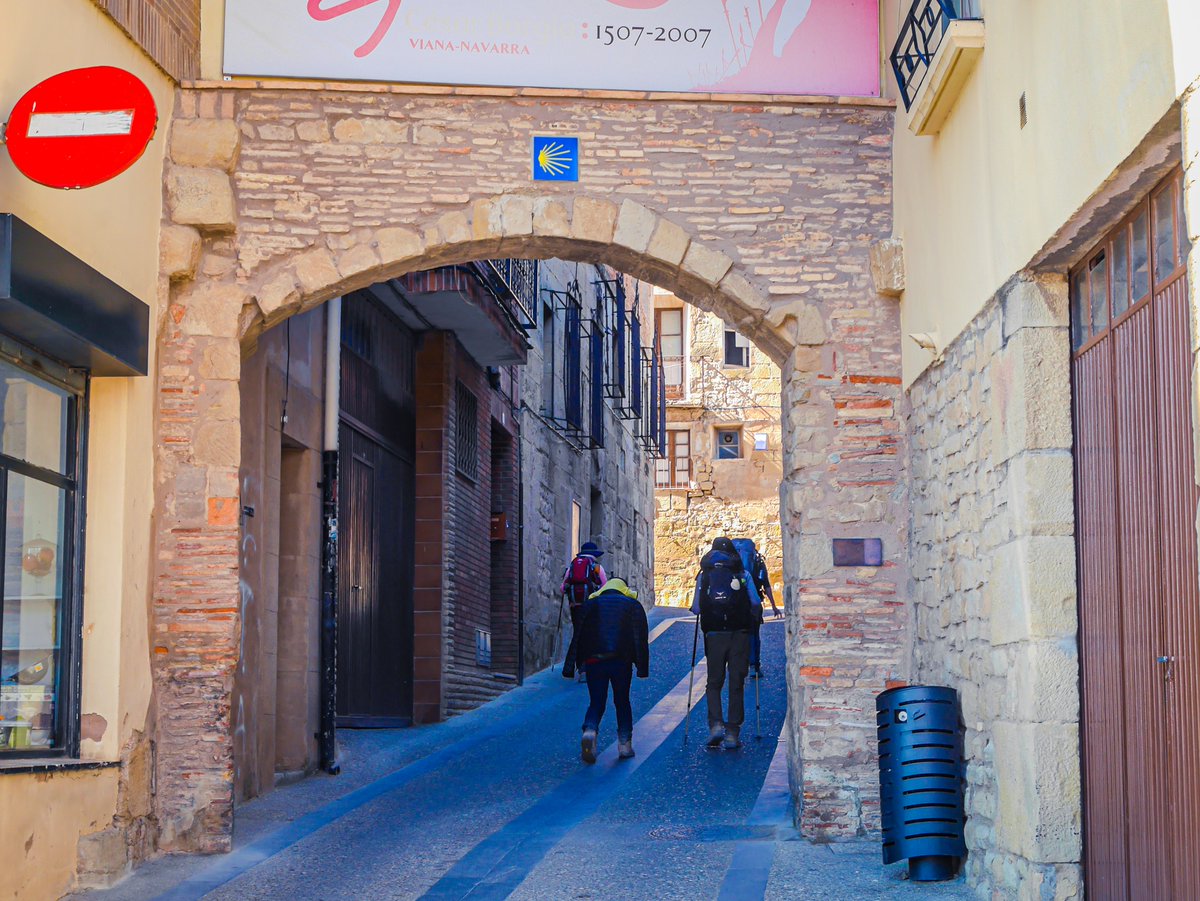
(554, 158)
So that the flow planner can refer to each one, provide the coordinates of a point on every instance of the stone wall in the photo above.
(612, 485)
(993, 582)
(281, 196)
(275, 697)
(739, 498)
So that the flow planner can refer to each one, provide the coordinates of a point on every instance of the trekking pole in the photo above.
(757, 713)
(557, 633)
(691, 679)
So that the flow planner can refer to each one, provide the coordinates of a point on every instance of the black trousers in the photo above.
(569, 660)
(727, 651)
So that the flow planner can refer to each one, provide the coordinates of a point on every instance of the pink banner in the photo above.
(747, 46)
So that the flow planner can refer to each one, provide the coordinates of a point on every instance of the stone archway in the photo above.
(767, 225)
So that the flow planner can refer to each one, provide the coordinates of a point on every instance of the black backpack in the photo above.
(724, 607)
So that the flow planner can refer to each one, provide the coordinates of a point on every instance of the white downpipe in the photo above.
(333, 371)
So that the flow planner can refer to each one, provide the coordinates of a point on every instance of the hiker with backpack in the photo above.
(727, 617)
(583, 578)
(612, 640)
(759, 586)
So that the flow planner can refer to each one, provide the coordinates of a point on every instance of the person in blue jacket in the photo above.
(759, 586)
(613, 641)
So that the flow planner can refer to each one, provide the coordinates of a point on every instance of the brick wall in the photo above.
(758, 209)
(168, 30)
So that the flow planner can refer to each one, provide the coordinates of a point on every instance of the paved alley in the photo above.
(496, 804)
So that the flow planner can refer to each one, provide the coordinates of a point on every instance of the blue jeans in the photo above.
(618, 673)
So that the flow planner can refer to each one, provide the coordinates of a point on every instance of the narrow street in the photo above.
(497, 804)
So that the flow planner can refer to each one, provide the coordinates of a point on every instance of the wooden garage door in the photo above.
(1139, 603)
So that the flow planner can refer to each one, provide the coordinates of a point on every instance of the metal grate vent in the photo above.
(466, 432)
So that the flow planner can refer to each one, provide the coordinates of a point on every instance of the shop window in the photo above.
(466, 432)
(729, 444)
(737, 349)
(39, 612)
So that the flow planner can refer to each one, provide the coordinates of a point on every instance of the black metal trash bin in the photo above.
(921, 779)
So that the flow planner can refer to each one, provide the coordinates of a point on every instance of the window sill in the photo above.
(24, 765)
(961, 47)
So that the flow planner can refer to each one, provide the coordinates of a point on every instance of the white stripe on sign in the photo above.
(81, 125)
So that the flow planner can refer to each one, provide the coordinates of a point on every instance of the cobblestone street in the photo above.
(497, 804)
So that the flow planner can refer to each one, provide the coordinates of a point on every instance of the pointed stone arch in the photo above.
(258, 231)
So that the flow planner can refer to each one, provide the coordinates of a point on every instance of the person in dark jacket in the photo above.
(613, 640)
(759, 585)
(727, 618)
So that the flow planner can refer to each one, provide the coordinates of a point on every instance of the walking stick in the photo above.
(558, 633)
(757, 713)
(691, 680)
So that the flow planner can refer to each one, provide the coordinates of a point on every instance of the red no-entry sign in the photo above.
(80, 128)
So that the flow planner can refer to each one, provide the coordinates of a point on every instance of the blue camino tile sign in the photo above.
(555, 158)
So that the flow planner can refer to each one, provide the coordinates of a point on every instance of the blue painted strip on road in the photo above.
(774, 804)
(251, 855)
(750, 868)
(494, 868)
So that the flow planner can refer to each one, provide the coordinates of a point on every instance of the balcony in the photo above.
(940, 42)
(515, 284)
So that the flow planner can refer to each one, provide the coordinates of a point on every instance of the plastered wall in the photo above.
(39, 851)
(975, 203)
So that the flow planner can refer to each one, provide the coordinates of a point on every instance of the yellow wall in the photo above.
(115, 228)
(43, 817)
(977, 201)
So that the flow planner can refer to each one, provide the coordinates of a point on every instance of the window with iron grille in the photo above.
(466, 432)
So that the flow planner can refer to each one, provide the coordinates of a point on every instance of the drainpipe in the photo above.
(518, 420)
(327, 733)
(333, 371)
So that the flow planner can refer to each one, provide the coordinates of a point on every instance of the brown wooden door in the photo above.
(376, 514)
(1139, 595)
(375, 615)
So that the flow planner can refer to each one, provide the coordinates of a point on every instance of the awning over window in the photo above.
(58, 304)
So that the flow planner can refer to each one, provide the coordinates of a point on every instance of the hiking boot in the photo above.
(587, 745)
(731, 742)
(625, 747)
(716, 732)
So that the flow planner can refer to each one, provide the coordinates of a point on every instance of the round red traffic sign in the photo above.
(80, 128)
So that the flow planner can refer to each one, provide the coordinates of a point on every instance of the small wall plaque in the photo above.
(858, 552)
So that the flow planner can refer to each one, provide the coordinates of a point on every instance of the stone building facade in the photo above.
(993, 587)
(574, 493)
(720, 385)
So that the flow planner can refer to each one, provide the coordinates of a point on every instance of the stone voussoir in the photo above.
(205, 143)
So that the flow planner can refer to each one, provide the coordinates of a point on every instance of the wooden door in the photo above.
(375, 615)
(1139, 595)
(376, 514)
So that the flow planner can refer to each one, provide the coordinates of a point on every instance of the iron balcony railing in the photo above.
(920, 36)
(515, 284)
